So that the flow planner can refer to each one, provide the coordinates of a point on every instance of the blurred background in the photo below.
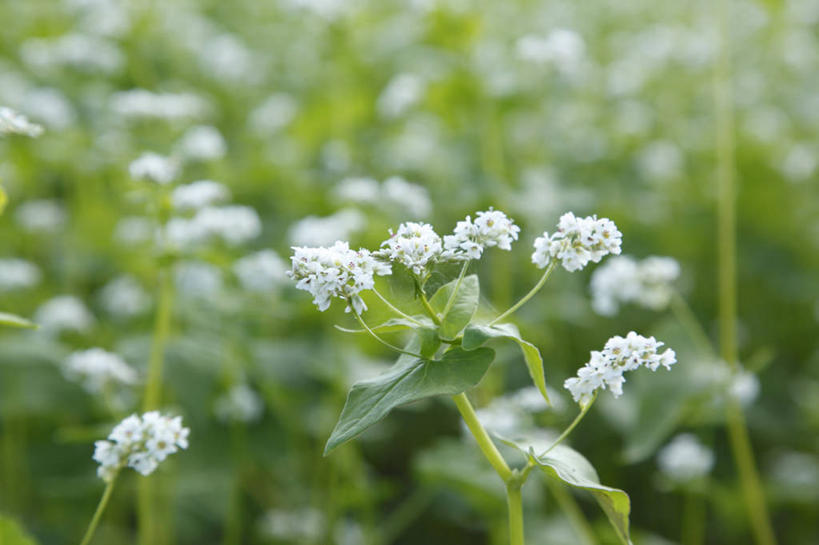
(334, 119)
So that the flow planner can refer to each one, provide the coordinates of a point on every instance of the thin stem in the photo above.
(395, 309)
(95, 520)
(682, 311)
(529, 295)
(484, 441)
(162, 325)
(400, 519)
(514, 501)
(379, 339)
(584, 409)
(432, 314)
(693, 530)
(454, 293)
(577, 519)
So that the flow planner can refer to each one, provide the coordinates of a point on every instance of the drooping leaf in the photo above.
(574, 469)
(13, 320)
(477, 335)
(410, 379)
(394, 324)
(12, 533)
(463, 306)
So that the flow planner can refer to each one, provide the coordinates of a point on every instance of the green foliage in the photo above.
(12, 320)
(462, 308)
(11, 533)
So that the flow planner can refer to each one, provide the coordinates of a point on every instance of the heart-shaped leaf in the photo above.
(477, 335)
(13, 320)
(463, 306)
(410, 379)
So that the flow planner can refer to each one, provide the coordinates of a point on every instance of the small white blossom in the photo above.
(273, 114)
(154, 168)
(648, 283)
(63, 313)
(336, 271)
(414, 245)
(12, 122)
(296, 526)
(202, 143)
(17, 274)
(197, 279)
(134, 230)
(140, 104)
(685, 458)
(605, 368)
(140, 443)
(199, 194)
(40, 216)
(261, 272)
(96, 369)
(239, 404)
(577, 241)
(81, 51)
(402, 92)
(412, 199)
(321, 231)
(490, 228)
(234, 225)
(124, 297)
(744, 387)
(563, 48)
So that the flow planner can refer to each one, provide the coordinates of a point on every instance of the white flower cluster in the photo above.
(153, 167)
(325, 230)
(395, 192)
(336, 271)
(17, 274)
(124, 297)
(40, 216)
(63, 313)
(490, 228)
(234, 225)
(239, 404)
(577, 241)
(199, 194)
(685, 458)
(202, 143)
(12, 122)
(81, 51)
(140, 103)
(606, 367)
(140, 443)
(261, 272)
(96, 369)
(624, 279)
(414, 245)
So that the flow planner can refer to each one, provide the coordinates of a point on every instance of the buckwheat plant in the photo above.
(446, 352)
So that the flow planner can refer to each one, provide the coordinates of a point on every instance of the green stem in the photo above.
(95, 520)
(569, 506)
(693, 531)
(395, 309)
(432, 314)
(484, 441)
(529, 295)
(153, 386)
(379, 339)
(514, 501)
(584, 409)
(454, 293)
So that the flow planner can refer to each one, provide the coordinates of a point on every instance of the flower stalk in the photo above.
(103, 503)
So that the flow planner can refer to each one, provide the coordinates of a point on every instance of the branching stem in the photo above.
(529, 295)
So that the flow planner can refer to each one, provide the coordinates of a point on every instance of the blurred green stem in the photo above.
(583, 410)
(567, 503)
(95, 520)
(726, 256)
(693, 530)
(529, 295)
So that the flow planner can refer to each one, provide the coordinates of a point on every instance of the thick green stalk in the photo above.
(95, 520)
(529, 295)
(726, 255)
(484, 441)
(514, 501)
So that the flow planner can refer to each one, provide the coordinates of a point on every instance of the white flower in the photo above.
(414, 245)
(336, 271)
(63, 313)
(154, 168)
(17, 274)
(577, 241)
(623, 279)
(197, 279)
(360, 190)
(412, 199)
(240, 404)
(261, 272)
(605, 368)
(321, 231)
(199, 194)
(202, 143)
(402, 92)
(124, 297)
(296, 526)
(562, 47)
(139, 103)
(12, 122)
(96, 368)
(744, 387)
(490, 228)
(140, 442)
(134, 229)
(273, 114)
(685, 458)
(234, 225)
(82, 51)
(40, 216)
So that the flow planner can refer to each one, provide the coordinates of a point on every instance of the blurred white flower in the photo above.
(50, 106)
(563, 48)
(140, 443)
(239, 404)
(154, 168)
(660, 160)
(319, 231)
(63, 313)
(140, 103)
(18, 274)
(234, 225)
(577, 241)
(40, 216)
(744, 387)
(199, 194)
(134, 229)
(12, 122)
(97, 369)
(622, 279)
(124, 297)
(801, 162)
(685, 458)
(490, 228)
(197, 279)
(272, 115)
(359, 190)
(261, 272)
(225, 58)
(413, 199)
(81, 51)
(402, 92)
(202, 143)
(297, 526)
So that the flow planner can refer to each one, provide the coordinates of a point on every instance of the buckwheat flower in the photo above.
(141, 443)
(360, 190)
(605, 368)
(414, 245)
(124, 297)
(199, 194)
(685, 458)
(272, 115)
(141, 104)
(402, 92)
(239, 404)
(202, 143)
(63, 313)
(577, 241)
(322, 231)
(336, 271)
(96, 369)
(413, 199)
(490, 228)
(234, 224)
(18, 274)
(648, 283)
(12, 122)
(197, 279)
(153, 167)
(134, 230)
(40, 216)
(261, 272)
(81, 51)
(296, 526)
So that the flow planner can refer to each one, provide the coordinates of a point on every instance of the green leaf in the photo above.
(410, 379)
(574, 469)
(462, 309)
(3, 200)
(430, 341)
(477, 335)
(394, 324)
(12, 534)
(13, 320)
